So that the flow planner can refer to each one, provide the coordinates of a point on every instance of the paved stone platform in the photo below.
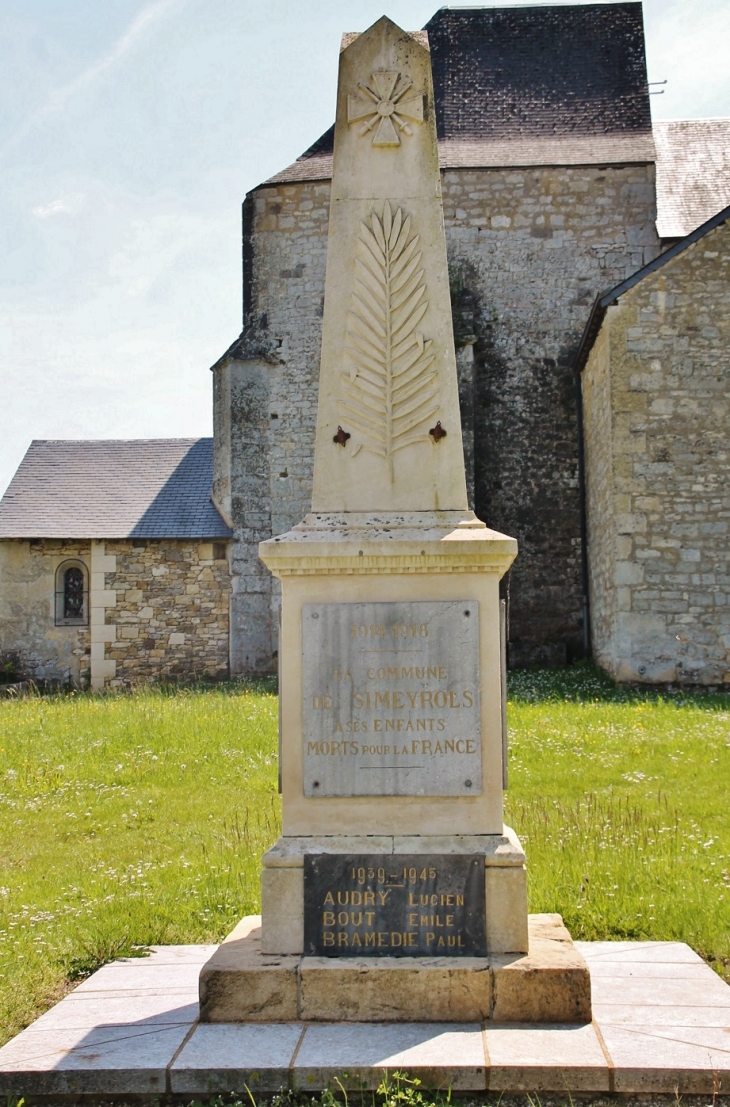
(661, 1025)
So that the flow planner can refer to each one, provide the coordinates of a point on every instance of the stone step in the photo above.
(550, 984)
(661, 1028)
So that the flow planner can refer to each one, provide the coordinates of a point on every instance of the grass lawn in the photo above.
(141, 819)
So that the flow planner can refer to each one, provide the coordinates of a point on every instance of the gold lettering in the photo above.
(468, 698)
(368, 899)
(459, 900)
(370, 938)
(383, 896)
(328, 918)
(412, 919)
(329, 899)
(342, 938)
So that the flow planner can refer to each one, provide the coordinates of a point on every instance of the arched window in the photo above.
(72, 594)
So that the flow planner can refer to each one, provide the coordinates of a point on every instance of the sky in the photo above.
(130, 132)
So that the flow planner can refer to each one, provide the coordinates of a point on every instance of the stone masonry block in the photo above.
(506, 902)
(392, 989)
(282, 909)
(241, 984)
(550, 984)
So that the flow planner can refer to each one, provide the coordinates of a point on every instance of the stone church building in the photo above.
(596, 423)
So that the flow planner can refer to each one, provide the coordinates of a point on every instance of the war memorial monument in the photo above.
(395, 891)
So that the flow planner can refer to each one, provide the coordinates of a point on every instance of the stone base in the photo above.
(282, 882)
(550, 984)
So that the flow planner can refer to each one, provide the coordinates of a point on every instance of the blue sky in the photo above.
(129, 135)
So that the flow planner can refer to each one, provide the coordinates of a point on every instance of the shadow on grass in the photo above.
(584, 682)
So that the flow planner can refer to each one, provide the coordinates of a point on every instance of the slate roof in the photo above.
(692, 172)
(606, 299)
(520, 72)
(548, 85)
(142, 488)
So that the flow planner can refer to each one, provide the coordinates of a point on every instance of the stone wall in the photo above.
(658, 538)
(28, 637)
(529, 250)
(163, 613)
(171, 611)
(534, 247)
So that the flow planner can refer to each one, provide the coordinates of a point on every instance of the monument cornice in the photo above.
(370, 544)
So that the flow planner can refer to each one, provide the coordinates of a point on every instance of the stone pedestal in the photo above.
(282, 881)
(395, 891)
(443, 567)
(551, 984)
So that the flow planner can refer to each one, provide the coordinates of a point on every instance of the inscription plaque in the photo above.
(394, 905)
(391, 699)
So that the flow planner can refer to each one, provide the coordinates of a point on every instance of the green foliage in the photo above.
(127, 821)
(134, 820)
(396, 1089)
(620, 799)
(8, 669)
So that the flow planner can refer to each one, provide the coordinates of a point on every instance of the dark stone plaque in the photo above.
(394, 905)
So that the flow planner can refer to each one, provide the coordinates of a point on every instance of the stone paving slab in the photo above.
(661, 1025)
(99, 1008)
(223, 1057)
(620, 1014)
(660, 1059)
(557, 1058)
(442, 1055)
(116, 1060)
(647, 952)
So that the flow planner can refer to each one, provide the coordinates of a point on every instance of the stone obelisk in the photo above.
(390, 658)
(395, 891)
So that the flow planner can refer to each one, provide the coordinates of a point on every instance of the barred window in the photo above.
(72, 594)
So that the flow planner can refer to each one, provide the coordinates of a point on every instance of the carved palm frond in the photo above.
(391, 390)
